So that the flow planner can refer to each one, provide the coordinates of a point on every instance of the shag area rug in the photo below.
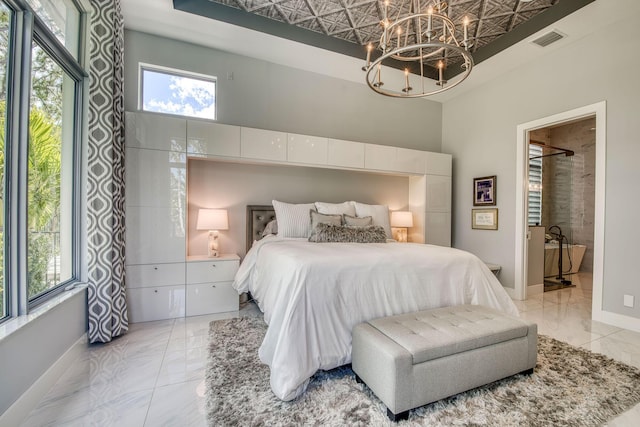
(570, 387)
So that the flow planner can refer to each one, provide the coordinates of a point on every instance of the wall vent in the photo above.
(546, 39)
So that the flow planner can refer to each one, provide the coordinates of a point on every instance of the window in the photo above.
(164, 90)
(62, 17)
(535, 185)
(5, 34)
(50, 164)
(41, 117)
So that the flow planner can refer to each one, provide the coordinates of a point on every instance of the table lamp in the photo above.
(400, 221)
(213, 220)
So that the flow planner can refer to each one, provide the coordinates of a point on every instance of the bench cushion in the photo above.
(441, 332)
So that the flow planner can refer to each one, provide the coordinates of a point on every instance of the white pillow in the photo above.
(293, 220)
(345, 208)
(379, 213)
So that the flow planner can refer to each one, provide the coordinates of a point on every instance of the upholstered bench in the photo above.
(413, 359)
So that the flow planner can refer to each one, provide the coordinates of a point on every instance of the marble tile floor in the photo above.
(154, 375)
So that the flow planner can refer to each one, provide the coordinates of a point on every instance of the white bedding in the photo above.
(313, 294)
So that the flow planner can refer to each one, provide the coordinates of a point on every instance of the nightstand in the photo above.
(209, 287)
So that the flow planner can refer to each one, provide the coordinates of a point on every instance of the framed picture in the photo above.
(484, 191)
(484, 219)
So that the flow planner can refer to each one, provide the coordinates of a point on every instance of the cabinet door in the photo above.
(380, 157)
(438, 193)
(306, 149)
(147, 304)
(155, 235)
(155, 131)
(438, 228)
(263, 144)
(412, 161)
(205, 298)
(155, 178)
(347, 154)
(211, 271)
(438, 164)
(215, 139)
(154, 275)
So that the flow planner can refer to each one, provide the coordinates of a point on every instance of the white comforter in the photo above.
(313, 294)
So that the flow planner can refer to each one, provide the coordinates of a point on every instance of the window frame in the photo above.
(26, 29)
(142, 67)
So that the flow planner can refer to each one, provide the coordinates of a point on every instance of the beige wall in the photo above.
(233, 186)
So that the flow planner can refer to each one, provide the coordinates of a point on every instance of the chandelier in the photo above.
(423, 42)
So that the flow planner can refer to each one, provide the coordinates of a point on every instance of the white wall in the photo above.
(27, 354)
(479, 129)
(269, 96)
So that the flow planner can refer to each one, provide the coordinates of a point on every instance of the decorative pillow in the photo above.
(293, 219)
(379, 214)
(345, 208)
(325, 233)
(357, 221)
(271, 228)
(318, 218)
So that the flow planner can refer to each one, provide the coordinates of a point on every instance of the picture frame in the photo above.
(484, 191)
(484, 219)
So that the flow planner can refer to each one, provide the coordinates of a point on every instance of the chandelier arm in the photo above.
(468, 60)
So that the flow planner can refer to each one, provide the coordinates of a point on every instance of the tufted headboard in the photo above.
(258, 216)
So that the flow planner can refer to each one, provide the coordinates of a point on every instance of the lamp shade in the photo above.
(401, 219)
(212, 219)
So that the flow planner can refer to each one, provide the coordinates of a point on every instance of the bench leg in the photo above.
(527, 372)
(397, 417)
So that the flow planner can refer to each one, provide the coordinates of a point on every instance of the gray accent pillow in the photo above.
(325, 233)
(358, 221)
(271, 228)
(318, 218)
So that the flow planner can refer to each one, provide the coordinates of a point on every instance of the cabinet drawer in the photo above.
(147, 304)
(263, 144)
(156, 131)
(307, 149)
(379, 157)
(345, 153)
(153, 275)
(213, 138)
(211, 271)
(205, 298)
(412, 161)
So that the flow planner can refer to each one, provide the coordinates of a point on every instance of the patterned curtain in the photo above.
(107, 304)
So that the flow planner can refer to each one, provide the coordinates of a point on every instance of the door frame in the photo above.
(522, 170)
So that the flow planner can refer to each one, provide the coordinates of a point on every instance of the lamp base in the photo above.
(399, 234)
(213, 250)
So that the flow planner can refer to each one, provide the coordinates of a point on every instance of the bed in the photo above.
(313, 294)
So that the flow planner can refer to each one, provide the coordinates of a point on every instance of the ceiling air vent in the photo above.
(551, 37)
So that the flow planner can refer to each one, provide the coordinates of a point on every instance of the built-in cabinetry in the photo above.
(160, 285)
(209, 284)
(161, 281)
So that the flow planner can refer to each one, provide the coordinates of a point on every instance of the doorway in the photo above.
(561, 197)
(524, 131)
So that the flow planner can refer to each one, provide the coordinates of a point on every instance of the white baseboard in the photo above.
(619, 320)
(22, 407)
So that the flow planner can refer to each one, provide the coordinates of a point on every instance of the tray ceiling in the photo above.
(346, 26)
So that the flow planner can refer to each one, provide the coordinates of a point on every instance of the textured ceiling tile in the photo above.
(358, 21)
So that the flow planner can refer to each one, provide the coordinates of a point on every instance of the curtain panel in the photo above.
(105, 198)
